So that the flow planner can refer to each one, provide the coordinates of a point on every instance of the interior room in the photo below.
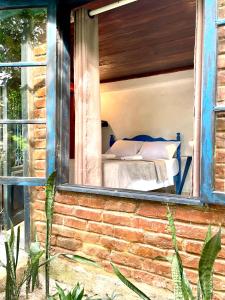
(146, 70)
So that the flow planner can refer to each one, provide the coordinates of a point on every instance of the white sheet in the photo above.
(141, 184)
(110, 176)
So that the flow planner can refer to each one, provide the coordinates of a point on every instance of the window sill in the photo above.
(155, 197)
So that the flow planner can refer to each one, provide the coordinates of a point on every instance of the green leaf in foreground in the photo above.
(81, 259)
(130, 285)
(208, 256)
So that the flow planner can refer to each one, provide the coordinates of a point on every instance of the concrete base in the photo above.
(96, 280)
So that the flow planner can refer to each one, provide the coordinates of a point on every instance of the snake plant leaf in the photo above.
(17, 245)
(78, 292)
(130, 285)
(61, 292)
(181, 283)
(207, 260)
(172, 228)
(81, 259)
(177, 281)
(49, 206)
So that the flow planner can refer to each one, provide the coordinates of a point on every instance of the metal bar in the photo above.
(219, 108)
(103, 9)
(34, 121)
(220, 22)
(51, 88)
(29, 181)
(27, 227)
(208, 96)
(163, 198)
(21, 64)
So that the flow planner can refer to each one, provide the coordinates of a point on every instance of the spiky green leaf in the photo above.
(207, 260)
(129, 284)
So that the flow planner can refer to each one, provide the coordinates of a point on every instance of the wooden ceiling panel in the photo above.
(144, 37)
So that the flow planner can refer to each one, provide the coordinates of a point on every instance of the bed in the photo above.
(135, 172)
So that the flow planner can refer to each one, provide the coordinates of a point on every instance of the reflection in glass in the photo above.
(220, 152)
(22, 93)
(22, 150)
(23, 35)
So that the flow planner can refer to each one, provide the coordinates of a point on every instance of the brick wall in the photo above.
(132, 234)
(37, 110)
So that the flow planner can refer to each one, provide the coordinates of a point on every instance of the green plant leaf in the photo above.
(17, 245)
(49, 206)
(130, 285)
(207, 260)
(172, 228)
(80, 259)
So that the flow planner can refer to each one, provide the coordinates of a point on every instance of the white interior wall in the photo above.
(157, 105)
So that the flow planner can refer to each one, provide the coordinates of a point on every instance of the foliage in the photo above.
(30, 276)
(13, 285)
(49, 206)
(182, 287)
(77, 293)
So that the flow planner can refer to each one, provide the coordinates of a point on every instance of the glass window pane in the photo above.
(220, 152)
(23, 35)
(22, 150)
(22, 93)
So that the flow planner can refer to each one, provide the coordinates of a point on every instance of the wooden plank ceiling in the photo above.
(145, 37)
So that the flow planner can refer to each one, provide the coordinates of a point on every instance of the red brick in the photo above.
(152, 279)
(88, 214)
(64, 231)
(117, 218)
(100, 228)
(126, 259)
(152, 210)
(39, 215)
(39, 164)
(40, 103)
(96, 251)
(159, 226)
(147, 251)
(157, 267)
(66, 198)
(126, 271)
(75, 223)
(39, 205)
(157, 240)
(114, 244)
(68, 243)
(40, 134)
(129, 234)
(119, 205)
(63, 209)
(91, 201)
(58, 219)
(39, 154)
(39, 113)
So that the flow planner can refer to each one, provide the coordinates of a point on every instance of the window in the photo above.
(145, 115)
(27, 103)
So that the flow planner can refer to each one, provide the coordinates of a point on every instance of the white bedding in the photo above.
(141, 181)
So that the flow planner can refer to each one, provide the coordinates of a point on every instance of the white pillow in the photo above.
(125, 148)
(158, 150)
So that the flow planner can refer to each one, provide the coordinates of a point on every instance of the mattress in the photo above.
(115, 177)
(140, 181)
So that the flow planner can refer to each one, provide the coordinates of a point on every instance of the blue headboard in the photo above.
(148, 138)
